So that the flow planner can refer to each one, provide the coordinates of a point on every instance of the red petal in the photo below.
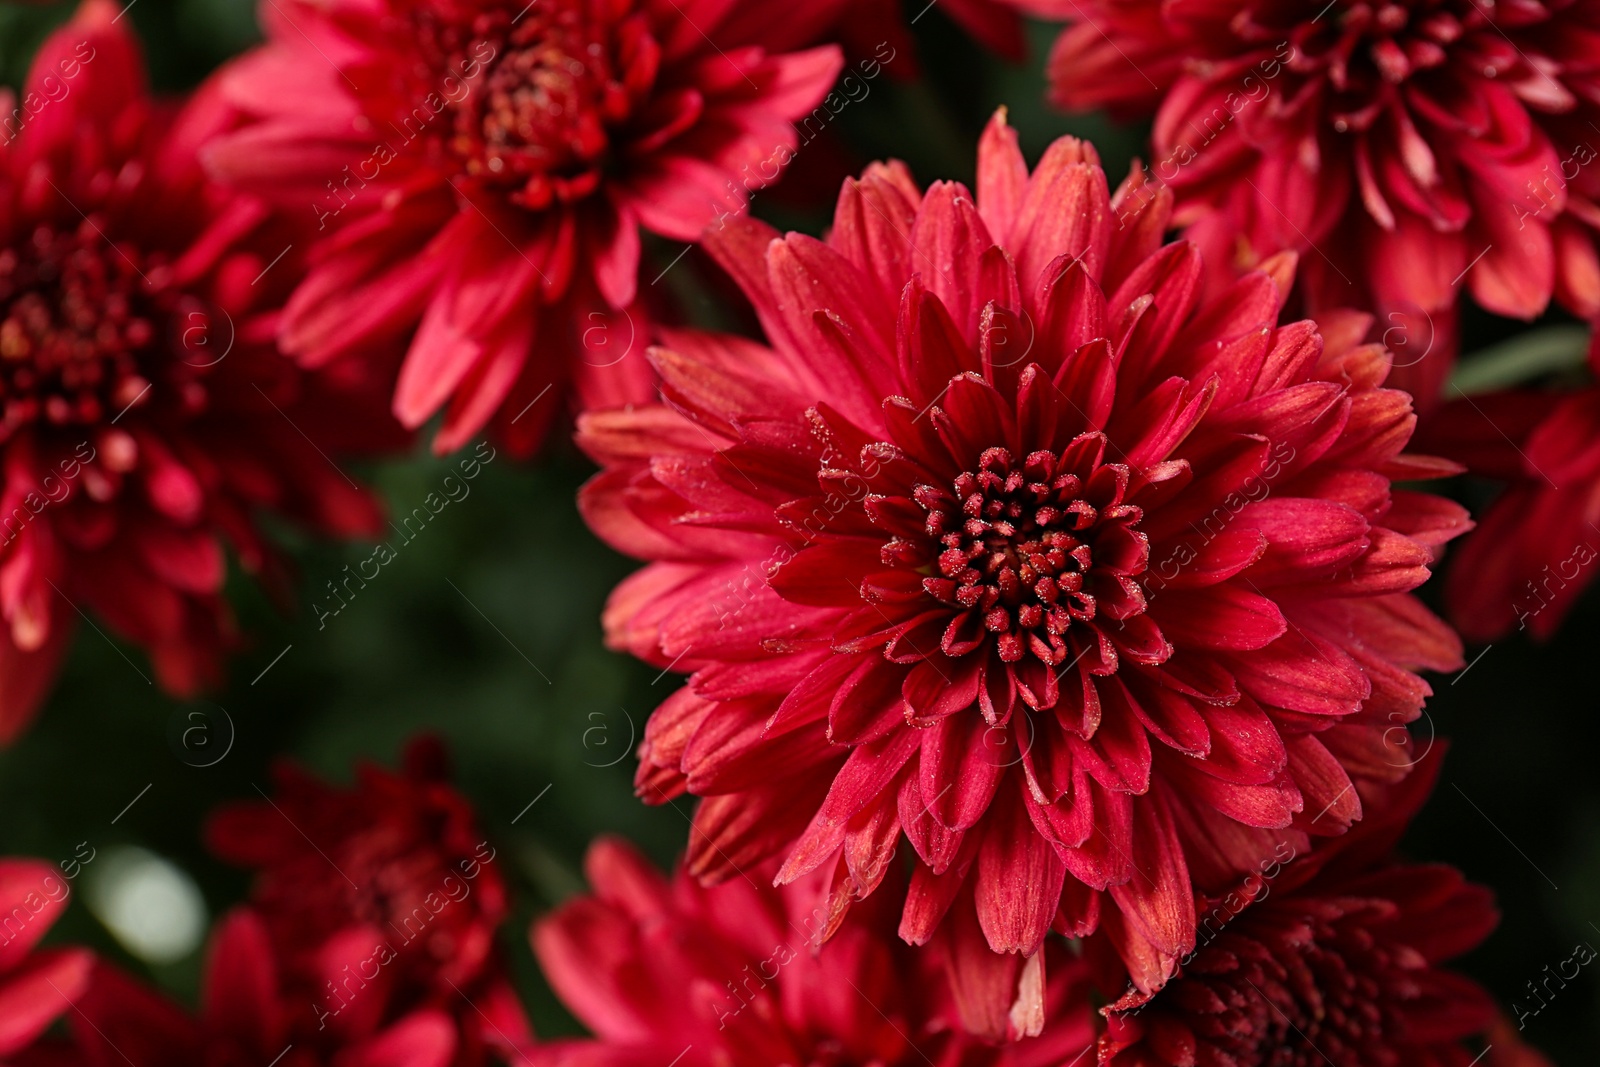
(1002, 177)
(866, 775)
(1018, 882)
(1158, 900)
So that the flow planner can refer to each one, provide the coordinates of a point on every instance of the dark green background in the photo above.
(411, 652)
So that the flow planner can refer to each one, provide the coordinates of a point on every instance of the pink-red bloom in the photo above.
(665, 970)
(1009, 543)
(246, 1019)
(479, 171)
(1405, 149)
(145, 415)
(1537, 545)
(380, 900)
(1333, 960)
(35, 987)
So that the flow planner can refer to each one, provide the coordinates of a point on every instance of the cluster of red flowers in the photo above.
(147, 418)
(1409, 151)
(1036, 577)
(370, 939)
(204, 310)
(1406, 149)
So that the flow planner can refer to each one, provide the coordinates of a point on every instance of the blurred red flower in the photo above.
(1013, 544)
(35, 987)
(246, 1019)
(1404, 148)
(145, 416)
(1332, 961)
(670, 972)
(1535, 549)
(479, 170)
(380, 900)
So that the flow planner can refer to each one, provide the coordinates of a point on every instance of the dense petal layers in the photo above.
(146, 419)
(1407, 150)
(1016, 546)
(380, 901)
(1331, 958)
(659, 967)
(479, 173)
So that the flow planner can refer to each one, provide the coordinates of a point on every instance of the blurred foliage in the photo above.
(1550, 350)
(486, 628)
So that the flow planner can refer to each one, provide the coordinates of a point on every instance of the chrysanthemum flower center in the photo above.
(75, 328)
(1332, 1011)
(534, 117)
(1367, 48)
(395, 872)
(1015, 549)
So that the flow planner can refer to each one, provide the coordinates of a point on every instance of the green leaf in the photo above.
(1522, 359)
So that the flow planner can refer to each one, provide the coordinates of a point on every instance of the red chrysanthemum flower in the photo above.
(1536, 546)
(380, 899)
(145, 416)
(1013, 545)
(665, 972)
(35, 987)
(479, 171)
(247, 1019)
(1403, 148)
(1332, 959)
